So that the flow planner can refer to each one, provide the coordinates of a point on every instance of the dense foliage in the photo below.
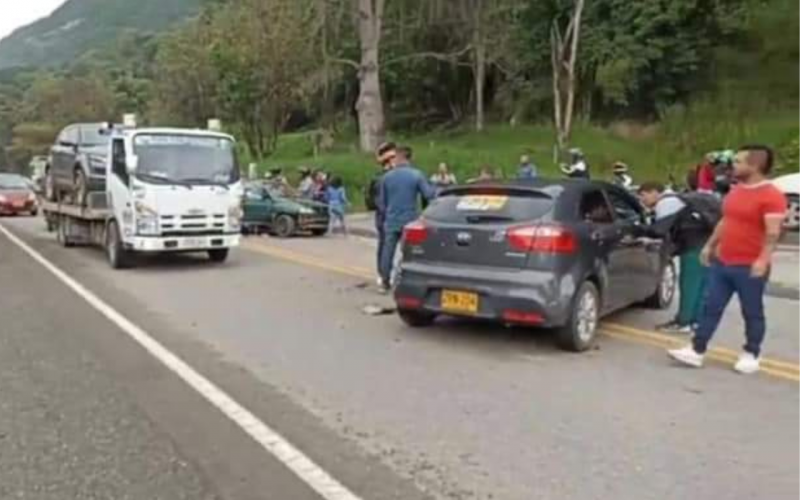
(268, 67)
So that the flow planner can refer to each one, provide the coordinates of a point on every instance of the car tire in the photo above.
(118, 256)
(218, 255)
(579, 333)
(50, 186)
(284, 226)
(416, 319)
(80, 187)
(665, 293)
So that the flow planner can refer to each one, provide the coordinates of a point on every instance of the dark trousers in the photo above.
(390, 241)
(723, 282)
(381, 232)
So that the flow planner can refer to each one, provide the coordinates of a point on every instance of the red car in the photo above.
(17, 195)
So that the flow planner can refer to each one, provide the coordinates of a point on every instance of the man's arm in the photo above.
(425, 188)
(773, 224)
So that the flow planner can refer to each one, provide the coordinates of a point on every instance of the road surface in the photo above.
(457, 411)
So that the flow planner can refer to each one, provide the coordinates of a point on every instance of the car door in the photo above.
(643, 255)
(609, 250)
(258, 206)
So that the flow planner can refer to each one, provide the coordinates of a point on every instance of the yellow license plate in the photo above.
(461, 302)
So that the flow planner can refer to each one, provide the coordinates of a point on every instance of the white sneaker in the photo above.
(687, 355)
(747, 363)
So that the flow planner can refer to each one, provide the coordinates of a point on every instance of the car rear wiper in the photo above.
(479, 218)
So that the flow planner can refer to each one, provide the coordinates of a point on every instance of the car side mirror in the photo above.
(132, 164)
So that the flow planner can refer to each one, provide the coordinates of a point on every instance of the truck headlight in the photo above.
(147, 225)
(235, 217)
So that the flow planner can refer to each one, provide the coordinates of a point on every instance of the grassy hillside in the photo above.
(82, 25)
(653, 152)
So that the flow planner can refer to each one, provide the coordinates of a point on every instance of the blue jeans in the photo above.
(391, 239)
(723, 282)
(381, 237)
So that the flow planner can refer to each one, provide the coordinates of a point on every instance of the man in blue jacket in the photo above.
(401, 190)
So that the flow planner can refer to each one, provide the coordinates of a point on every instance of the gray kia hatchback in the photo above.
(551, 254)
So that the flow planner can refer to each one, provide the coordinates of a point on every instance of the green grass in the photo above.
(652, 152)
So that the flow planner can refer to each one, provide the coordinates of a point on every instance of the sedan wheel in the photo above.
(284, 226)
(580, 331)
(665, 293)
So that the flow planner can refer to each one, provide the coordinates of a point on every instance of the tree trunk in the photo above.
(479, 74)
(564, 55)
(573, 58)
(371, 119)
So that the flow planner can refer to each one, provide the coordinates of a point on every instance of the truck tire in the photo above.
(218, 255)
(284, 226)
(118, 256)
(62, 235)
(581, 329)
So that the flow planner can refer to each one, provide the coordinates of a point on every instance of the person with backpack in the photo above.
(686, 222)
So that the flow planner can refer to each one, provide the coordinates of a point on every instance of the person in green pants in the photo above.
(686, 221)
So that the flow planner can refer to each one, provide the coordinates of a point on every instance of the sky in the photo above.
(17, 13)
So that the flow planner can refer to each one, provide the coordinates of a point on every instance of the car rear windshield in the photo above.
(489, 205)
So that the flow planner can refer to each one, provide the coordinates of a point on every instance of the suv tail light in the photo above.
(415, 233)
(546, 238)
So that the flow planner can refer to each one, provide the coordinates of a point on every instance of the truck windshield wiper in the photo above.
(207, 182)
(163, 179)
(478, 218)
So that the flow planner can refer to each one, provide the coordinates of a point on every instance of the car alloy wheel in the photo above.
(587, 316)
(666, 289)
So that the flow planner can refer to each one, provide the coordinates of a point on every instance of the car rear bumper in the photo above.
(183, 243)
(506, 296)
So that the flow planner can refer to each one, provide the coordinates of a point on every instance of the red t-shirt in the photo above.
(743, 222)
(706, 180)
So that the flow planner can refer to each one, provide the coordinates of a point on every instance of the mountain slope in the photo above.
(80, 25)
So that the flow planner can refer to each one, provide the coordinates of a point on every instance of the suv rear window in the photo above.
(489, 205)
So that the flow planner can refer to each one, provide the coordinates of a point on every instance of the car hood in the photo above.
(296, 205)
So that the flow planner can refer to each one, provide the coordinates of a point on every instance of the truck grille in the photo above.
(193, 223)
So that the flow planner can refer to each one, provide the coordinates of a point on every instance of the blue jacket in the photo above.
(527, 171)
(337, 199)
(401, 189)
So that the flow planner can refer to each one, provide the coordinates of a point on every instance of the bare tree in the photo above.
(564, 55)
(371, 119)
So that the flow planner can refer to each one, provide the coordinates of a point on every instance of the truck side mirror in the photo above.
(131, 164)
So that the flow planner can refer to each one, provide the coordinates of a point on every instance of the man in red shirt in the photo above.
(739, 254)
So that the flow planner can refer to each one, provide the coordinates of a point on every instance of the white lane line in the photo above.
(308, 471)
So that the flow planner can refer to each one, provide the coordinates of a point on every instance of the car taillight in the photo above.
(542, 239)
(415, 233)
(522, 317)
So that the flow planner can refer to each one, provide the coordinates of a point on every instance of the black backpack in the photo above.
(703, 211)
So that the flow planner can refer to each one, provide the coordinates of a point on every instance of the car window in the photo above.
(91, 136)
(489, 205)
(254, 194)
(625, 208)
(594, 208)
(68, 137)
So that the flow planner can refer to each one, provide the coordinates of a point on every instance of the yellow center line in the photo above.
(774, 367)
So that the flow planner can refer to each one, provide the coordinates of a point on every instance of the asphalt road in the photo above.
(456, 411)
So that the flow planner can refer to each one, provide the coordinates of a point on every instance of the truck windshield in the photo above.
(186, 159)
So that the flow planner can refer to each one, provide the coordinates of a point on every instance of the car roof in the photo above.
(551, 187)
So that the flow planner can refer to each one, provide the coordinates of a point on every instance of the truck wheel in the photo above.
(284, 226)
(80, 188)
(118, 257)
(62, 235)
(218, 255)
(581, 328)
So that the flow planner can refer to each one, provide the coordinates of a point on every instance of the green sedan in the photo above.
(267, 210)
